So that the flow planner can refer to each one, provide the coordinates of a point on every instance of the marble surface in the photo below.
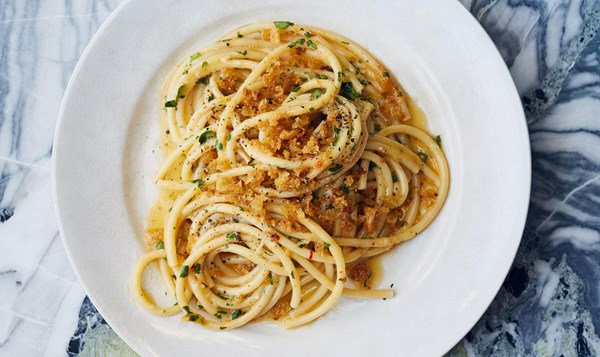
(549, 303)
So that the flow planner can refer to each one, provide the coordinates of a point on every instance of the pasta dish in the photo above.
(290, 159)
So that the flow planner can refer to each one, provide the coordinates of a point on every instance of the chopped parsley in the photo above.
(292, 275)
(204, 64)
(187, 309)
(243, 53)
(171, 103)
(335, 168)
(326, 245)
(270, 278)
(197, 268)
(180, 92)
(160, 245)
(385, 74)
(311, 44)
(219, 146)
(295, 88)
(193, 318)
(237, 313)
(423, 155)
(323, 76)
(283, 24)
(345, 43)
(336, 134)
(394, 177)
(229, 137)
(230, 236)
(438, 140)
(308, 34)
(198, 182)
(377, 127)
(184, 271)
(347, 91)
(203, 80)
(316, 94)
(239, 35)
(345, 189)
(222, 327)
(195, 56)
(205, 136)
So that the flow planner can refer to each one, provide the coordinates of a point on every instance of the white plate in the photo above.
(444, 280)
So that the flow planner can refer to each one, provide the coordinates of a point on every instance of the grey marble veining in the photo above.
(549, 304)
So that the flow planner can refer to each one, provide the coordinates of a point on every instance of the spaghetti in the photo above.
(290, 159)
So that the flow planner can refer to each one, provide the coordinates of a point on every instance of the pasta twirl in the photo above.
(290, 159)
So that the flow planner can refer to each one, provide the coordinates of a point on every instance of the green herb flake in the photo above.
(193, 318)
(323, 76)
(295, 88)
(336, 134)
(237, 313)
(347, 91)
(198, 182)
(326, 245)
(204, 64)
(219, 146)
(423, 155)
(184, 271)
(205, 136)
(239, 35)
(217, 315)
(270, 278)
(377, 127)
(316, 94)
(386, 74)
(292, 44)
(243, 53)
(160, 245)
(222, 327)
(210, 98)
(300, 41)
(308, 34)
(187, 309)
(180, 92)
(311, 44)
(311, 109)
(292, 275)
(229, 137)
(345, 43)
(203, 80)
(230, 236)
(345, 189)
(335, 168)
(195, 56)
(171, 103)
(438, 140)
(394, 177)
(283, 24)
(399, 94)
(330, 206)
(197, 268)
